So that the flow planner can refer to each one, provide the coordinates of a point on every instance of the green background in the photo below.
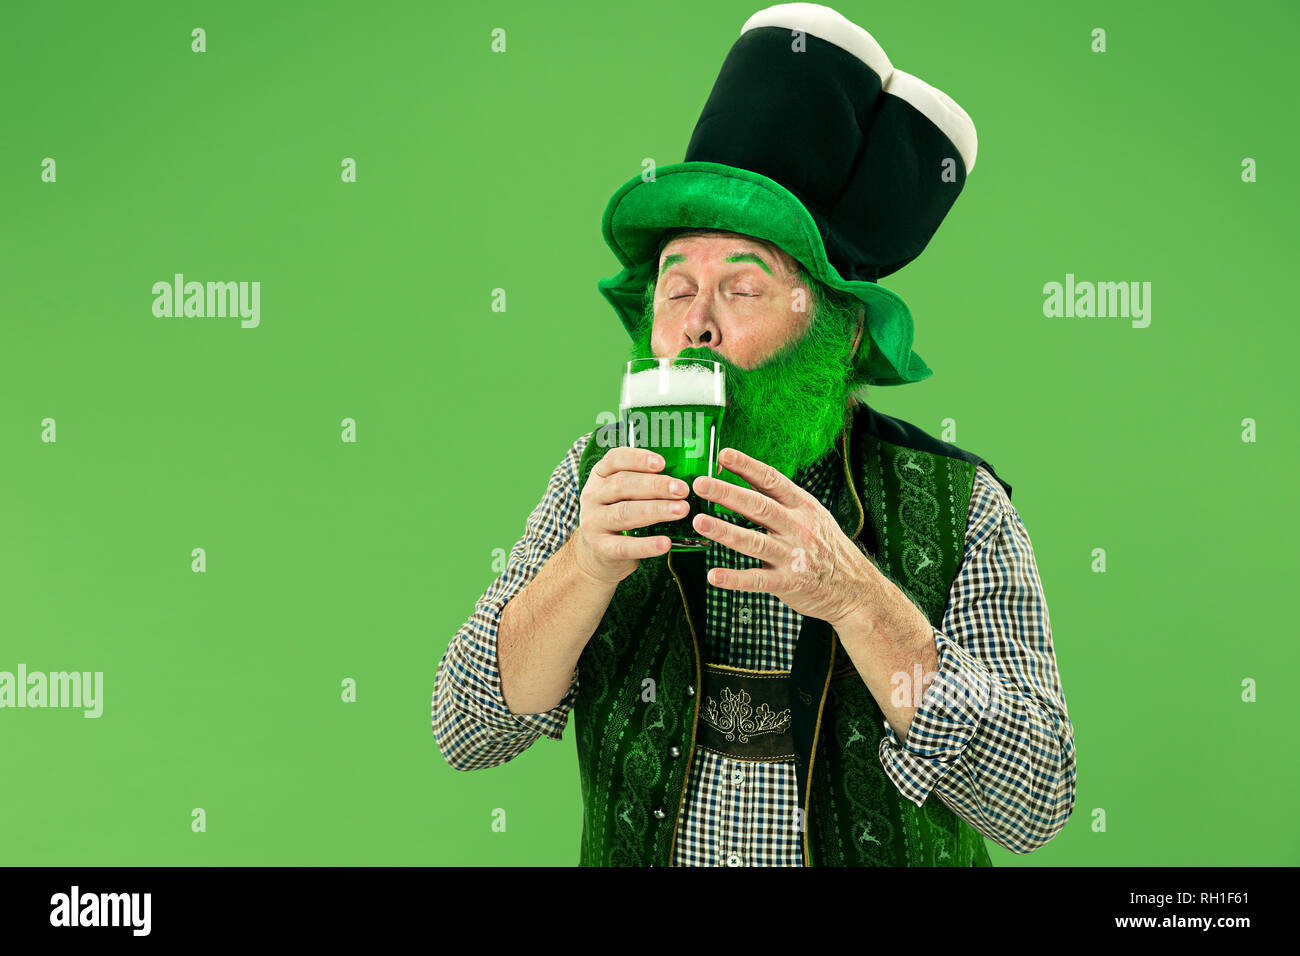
(481, 170)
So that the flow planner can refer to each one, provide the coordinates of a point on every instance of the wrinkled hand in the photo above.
(808, 560)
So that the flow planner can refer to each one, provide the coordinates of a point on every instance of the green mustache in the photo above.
(789, 410)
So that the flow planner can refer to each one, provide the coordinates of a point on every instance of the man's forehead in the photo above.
(727, 246)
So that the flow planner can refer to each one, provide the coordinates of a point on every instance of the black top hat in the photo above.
(813, 140)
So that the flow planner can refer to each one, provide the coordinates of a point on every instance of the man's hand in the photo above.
(624, 491)
(808, 560)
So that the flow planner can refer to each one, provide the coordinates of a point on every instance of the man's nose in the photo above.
(699, 326)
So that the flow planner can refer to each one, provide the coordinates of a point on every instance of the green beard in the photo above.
(787, 412)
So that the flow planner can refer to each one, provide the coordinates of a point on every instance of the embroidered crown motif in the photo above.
(737, 719)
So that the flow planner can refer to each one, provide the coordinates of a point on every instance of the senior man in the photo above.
(859, 669)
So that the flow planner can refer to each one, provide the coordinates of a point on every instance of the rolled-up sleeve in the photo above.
(472, 724)
(992, 737)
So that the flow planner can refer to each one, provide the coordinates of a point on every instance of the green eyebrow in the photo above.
(748, 257)
(676, 257)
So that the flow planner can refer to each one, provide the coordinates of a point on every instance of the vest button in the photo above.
(690, 691)
(674, 752)
(659, 814)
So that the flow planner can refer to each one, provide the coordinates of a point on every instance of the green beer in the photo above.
(674, 407)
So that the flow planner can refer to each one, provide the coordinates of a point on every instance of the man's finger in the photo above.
(627, 459)
(756, 544)
(762, 477)
(625, 485)
(757, 507)
(757, 580)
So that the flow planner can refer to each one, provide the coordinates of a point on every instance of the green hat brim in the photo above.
(715, 196)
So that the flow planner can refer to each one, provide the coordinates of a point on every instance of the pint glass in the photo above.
(674, 407)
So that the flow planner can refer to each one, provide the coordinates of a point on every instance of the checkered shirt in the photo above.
(1002, 760)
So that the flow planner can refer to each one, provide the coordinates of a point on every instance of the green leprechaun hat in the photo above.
(813, 140)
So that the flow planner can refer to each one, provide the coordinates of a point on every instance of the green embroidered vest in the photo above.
(905, 497)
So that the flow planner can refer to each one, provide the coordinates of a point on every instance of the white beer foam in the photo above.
(673, 385)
